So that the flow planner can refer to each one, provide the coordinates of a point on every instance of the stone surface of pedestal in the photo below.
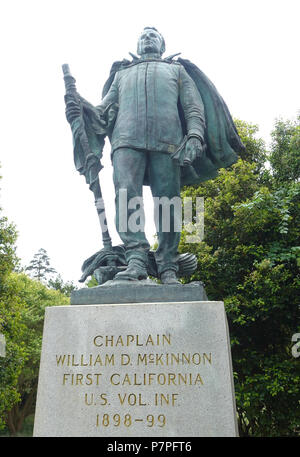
(160, 369)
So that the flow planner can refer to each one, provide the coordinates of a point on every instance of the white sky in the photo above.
(249, 49)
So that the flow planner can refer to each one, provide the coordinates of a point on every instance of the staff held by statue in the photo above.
(86, 160)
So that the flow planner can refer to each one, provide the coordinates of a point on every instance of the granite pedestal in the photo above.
(153, 368)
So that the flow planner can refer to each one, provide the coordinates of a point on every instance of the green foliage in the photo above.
(8, 258)
(10, 321)
(11, 326)
(250, 258)
(285, 151)
(254, 147)
(22, 307)
(32, 297)
(92, 282)
(65, 288)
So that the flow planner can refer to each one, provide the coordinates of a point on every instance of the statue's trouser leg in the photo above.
(164, 177)
(129, 170)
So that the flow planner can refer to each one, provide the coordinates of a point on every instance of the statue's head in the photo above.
(151, 41)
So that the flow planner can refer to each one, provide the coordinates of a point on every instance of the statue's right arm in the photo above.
(111, 98)
(103, 112)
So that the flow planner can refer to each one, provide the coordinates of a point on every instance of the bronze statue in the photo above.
(168, 127)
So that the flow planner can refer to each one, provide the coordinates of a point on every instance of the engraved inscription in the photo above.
(125, 376)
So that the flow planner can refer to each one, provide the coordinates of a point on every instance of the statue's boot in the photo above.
(136, 270)
(169, 277)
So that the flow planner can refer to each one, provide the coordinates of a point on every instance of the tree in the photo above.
(65, 288)
(250, 259)
(22, 305)
(10, 321)
(35, 297)
(8, 236)
(285, 151)
(12, 327)
(255, 151)
(39, 267)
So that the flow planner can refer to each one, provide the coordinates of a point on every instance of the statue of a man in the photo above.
(170, 128)
(146, 132)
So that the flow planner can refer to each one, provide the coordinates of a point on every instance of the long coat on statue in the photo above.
(156, 105)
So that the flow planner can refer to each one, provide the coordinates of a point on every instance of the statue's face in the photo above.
(149, 41)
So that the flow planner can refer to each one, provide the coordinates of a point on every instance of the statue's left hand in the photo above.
(193, 149)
